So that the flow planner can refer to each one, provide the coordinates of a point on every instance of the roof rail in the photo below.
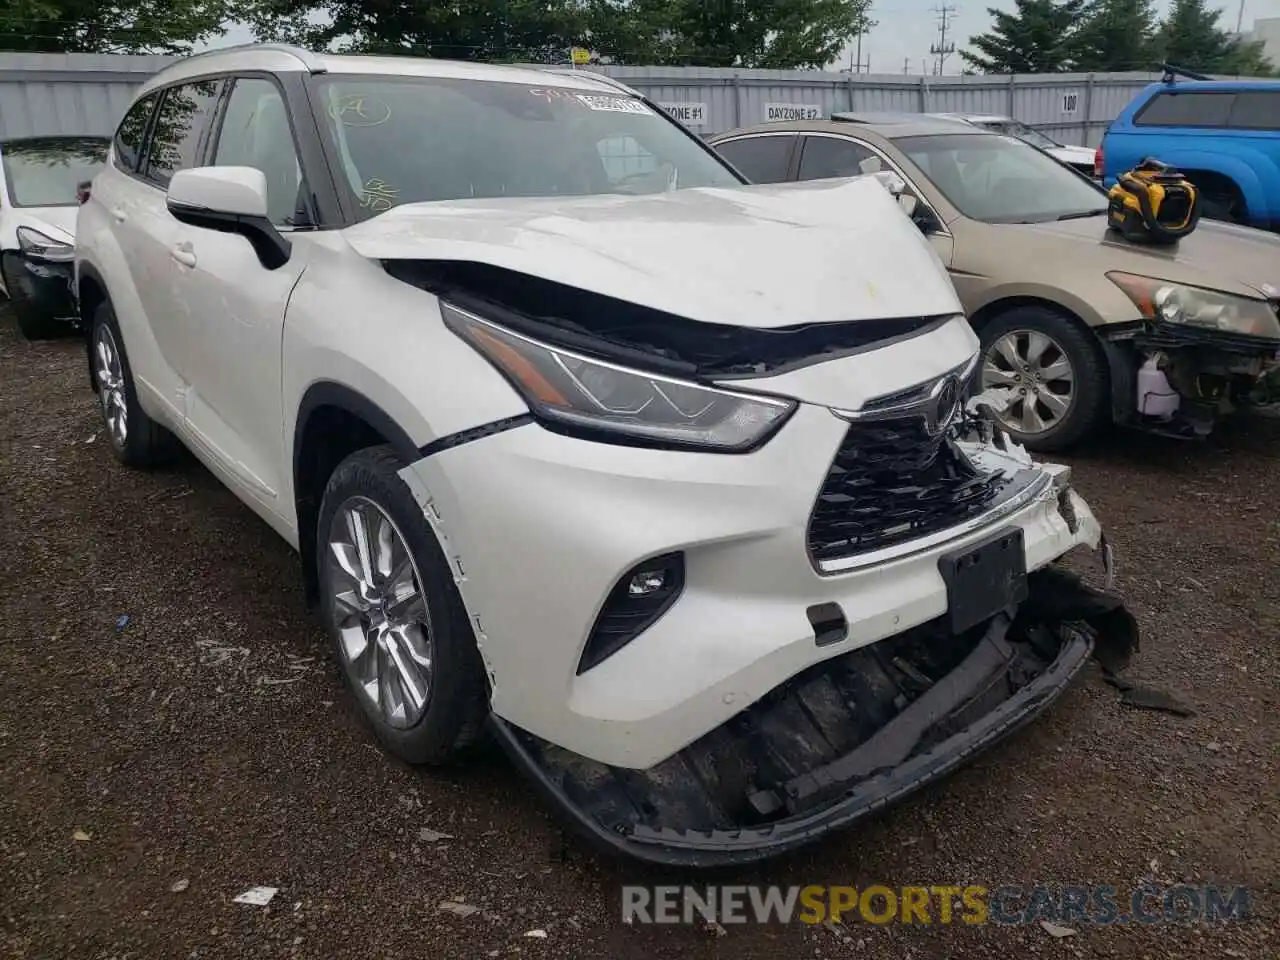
(603, 77)
(1171, 73)
(305, 57)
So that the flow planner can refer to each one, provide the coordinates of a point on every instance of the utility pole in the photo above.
(906, 65)
(942, 49)
(855, 66)
(1240, 18)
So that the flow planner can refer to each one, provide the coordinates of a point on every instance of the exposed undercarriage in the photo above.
(1203, 375)
(844, 738)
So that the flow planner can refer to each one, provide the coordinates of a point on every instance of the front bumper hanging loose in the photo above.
(843, 739)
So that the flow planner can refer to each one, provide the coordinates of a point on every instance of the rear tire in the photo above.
(1060, 370)
(135, 439)
(399, 630)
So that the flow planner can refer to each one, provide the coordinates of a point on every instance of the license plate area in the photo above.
(985, 578)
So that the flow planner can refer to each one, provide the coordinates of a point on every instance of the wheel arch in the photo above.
(91, 293)
(1118, 371)
(333, 421)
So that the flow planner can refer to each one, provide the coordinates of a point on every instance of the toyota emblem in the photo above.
(943, 405)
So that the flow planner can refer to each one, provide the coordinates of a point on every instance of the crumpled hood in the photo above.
(1217, 256)
(759, 256)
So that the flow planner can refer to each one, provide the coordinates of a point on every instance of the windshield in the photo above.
(1017, 128)
(406, 140)
(44, 171)
(998, 179)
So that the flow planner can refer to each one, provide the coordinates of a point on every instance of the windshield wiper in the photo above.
(1081, 214)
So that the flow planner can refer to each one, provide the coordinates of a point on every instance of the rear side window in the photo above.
(1186, 110)
(181, 127)
(128, 140)
(1256, 110)
(826, 157)
(759, 159)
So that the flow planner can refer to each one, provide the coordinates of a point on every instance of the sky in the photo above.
(906, 28)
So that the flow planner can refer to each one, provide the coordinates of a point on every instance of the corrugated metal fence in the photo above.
(84, 93)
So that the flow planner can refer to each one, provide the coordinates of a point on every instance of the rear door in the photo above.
(176, 141)
(761, 157)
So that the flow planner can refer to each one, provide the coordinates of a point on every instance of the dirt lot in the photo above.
(172, 744)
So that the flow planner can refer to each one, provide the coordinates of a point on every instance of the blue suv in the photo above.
(1224, 135)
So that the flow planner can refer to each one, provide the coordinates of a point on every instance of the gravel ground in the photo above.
(176, 746)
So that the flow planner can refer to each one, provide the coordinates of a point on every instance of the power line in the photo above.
(942, 49)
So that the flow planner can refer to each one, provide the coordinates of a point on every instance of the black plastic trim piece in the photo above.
(600, 648)
(828, 622)
(723, 848)
(268, 243)
(329, 394)
(475, 433)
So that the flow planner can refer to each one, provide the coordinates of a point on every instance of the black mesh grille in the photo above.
(891, 482)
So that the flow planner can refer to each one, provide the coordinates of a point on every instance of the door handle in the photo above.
(184, 256)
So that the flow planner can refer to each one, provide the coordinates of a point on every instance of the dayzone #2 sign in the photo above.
(792, 111)
(690, 114)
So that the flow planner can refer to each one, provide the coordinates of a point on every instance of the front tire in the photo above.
(136, 439)
(398, 626)
(1057, 371)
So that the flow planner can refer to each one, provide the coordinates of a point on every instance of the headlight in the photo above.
(35, 244)
(575, 391)
(1197, 307)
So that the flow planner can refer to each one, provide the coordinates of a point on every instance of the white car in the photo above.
(40, 182)
(1081, 158)
(668, 480)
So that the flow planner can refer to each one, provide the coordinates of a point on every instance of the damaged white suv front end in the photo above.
(738, 584)
(672, 480)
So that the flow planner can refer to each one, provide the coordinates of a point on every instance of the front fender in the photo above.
(352, 325)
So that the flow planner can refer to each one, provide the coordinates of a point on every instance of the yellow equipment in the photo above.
(1153, 203)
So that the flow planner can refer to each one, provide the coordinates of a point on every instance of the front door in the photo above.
(231, 308)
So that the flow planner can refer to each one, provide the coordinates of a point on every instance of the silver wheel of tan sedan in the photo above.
(1038, 370)
(379, 611)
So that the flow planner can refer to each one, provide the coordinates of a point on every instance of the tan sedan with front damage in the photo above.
(1084, 327)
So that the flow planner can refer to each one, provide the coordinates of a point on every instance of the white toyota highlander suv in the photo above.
(668, 482)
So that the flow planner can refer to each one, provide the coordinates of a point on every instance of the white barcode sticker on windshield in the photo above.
(613, 104)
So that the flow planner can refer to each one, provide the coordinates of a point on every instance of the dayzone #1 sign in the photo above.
(792, 111)
(690, 114)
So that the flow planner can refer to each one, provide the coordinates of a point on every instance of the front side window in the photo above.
(421, 139)
(1186, 110)
(128, 140)
(827, 157)
(1000, 179)
(45, 171)
(759, 159)
(255, 132)
(182, 122)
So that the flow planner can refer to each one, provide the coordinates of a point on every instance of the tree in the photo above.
(514, 30)
(1190, 38)
(780, 34)
(107, 26)
(1037, 37)
(1116, 35)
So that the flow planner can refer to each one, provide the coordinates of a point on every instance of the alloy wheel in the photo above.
(109, 371)
(1038, 371)
(380, 612)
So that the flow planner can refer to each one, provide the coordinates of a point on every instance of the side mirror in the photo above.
(870, 165)
(891, 181)
(229, 200)
(909, 204)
